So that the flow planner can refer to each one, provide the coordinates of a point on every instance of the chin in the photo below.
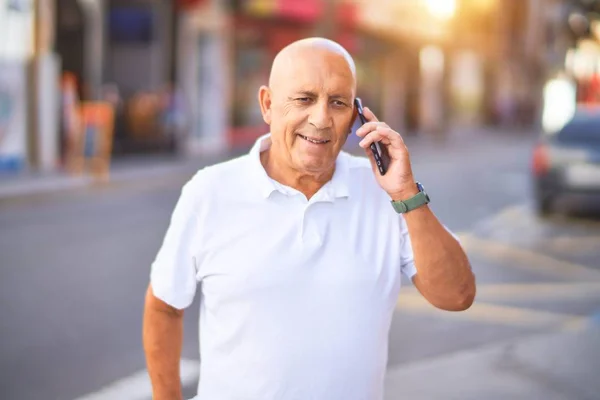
(315, 166)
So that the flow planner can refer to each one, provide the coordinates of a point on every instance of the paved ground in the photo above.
(74, 266)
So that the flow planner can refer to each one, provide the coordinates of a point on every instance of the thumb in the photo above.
(369, 115)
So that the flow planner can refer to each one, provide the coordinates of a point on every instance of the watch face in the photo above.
(422, 189)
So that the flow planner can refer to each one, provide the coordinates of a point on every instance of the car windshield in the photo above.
(581, 129)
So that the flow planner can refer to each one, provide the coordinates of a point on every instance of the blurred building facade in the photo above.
(16, 47)
(123, 51)
(183, 75)
(28, 68)
(423, 65)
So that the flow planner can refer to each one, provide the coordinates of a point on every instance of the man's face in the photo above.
(311, 110)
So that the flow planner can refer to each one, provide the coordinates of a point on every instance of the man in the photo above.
(298, 250)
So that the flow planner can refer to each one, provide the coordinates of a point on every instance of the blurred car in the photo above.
(568, 161)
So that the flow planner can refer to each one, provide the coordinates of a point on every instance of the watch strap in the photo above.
(416, 201)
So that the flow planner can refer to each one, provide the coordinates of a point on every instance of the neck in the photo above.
(305, 182)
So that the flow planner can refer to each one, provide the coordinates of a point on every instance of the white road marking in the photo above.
(495, 314)
(137, 386)
(527, 259)
(530, 291)
(539, 291)
(573, 245)
(521, 220)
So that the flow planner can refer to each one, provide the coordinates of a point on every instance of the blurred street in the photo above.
(76, 266)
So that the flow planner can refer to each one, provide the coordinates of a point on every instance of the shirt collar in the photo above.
(337, 187)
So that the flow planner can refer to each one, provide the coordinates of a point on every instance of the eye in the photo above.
(303, 99)
(339, 103)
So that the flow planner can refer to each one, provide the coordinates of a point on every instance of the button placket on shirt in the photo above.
(311, 228)
(297, 204)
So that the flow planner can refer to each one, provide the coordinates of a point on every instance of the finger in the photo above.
(373, 136)
(369, 115)
(385, 135)
(368, 127)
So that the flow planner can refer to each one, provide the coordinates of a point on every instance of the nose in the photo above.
(320, 115)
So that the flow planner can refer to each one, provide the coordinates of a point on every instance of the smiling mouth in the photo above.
(315, 141)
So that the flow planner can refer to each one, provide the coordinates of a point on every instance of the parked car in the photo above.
(568, 161)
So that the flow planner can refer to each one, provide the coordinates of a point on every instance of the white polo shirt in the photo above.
(297, 295)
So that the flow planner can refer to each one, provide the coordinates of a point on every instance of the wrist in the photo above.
(404, 194)
(409, 198)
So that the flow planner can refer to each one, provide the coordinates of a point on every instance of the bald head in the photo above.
(309, 48)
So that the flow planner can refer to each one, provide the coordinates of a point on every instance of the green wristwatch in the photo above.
(418, 200)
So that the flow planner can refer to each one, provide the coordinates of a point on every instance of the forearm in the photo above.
(163, 337)
(444, 275)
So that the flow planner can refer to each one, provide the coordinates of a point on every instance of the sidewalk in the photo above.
(132, 168)
(548, 366)
(140, 167)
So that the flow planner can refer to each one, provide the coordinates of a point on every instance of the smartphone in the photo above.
(380, 153)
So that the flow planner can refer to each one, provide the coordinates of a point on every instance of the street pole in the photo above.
(34, 93)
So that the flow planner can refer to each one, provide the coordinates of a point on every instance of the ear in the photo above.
(264, 99)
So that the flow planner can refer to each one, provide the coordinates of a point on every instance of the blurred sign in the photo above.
(16, 30)
(94, 146)
(13, 134)
(133, 25)
(19, 5)
(347, 13)
(189, 4)
(304, 11)
(260, 8)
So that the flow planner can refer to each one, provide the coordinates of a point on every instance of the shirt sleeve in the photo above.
(407, 260)
(173, 274)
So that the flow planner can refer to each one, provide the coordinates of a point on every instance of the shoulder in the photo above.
(226, 170)
(211, 180)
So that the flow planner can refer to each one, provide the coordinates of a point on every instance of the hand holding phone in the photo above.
(380, 153)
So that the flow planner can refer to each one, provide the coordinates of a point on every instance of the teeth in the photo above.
(313, 140)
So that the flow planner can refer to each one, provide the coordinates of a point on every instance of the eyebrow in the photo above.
(306, 93)
(340, 96)
(309, 93)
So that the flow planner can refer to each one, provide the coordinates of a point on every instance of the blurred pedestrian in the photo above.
(72, 124)
(173, 116)
(298, 250)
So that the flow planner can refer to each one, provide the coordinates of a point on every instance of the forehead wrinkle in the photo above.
(334, 83)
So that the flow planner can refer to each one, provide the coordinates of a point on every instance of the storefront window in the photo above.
(251, 72)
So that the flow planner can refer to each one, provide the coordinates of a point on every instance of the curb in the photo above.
(28, 187)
